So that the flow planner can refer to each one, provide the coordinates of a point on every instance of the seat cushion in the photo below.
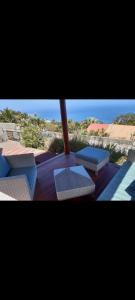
(122, 185)
(93, 155)
(4, 166)
(30, 172)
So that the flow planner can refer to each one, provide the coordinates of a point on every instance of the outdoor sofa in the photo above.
(18, 174)
(122, 185)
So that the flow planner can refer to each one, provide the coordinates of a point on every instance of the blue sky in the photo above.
(32, 106)
(36, 105)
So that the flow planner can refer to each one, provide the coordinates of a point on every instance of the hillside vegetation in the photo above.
(24, 119)
(127, 119)
(32, 127)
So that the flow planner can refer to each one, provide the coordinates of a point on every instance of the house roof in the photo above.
(114, 130)
(96, 127)
(120, 131)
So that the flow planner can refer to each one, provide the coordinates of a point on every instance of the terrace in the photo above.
(46, 164)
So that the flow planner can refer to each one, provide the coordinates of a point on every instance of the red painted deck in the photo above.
(45, 188)
(43, 157)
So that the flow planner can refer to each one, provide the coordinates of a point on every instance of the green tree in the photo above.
(127, 119)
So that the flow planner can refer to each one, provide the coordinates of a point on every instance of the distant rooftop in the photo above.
(96, 127)
(120, 131)
(114, 130)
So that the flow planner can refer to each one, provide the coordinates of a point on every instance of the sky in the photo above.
(36, 105)
(32, 106)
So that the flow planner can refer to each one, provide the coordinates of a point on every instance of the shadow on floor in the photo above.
(43, 157)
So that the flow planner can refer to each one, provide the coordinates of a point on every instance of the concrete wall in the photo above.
(7, 126)
(119, 145)
(9, 131)
(3, 136)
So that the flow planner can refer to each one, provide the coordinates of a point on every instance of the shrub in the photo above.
(31, 137)
(115, 156)
(56, 146)
(76, 144)
(99, 133)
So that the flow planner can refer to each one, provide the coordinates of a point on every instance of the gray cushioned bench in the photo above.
(92, 158)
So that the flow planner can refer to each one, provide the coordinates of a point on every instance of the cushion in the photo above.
(4, 166)
(122, 185)
(93, 155)
(30, 172)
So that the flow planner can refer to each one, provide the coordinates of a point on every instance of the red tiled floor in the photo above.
(13, 147)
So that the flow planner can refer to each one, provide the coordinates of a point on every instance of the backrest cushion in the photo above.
(4, 166)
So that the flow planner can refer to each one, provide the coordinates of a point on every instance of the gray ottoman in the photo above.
(92, 158)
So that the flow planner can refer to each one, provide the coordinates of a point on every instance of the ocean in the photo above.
(104, 110)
